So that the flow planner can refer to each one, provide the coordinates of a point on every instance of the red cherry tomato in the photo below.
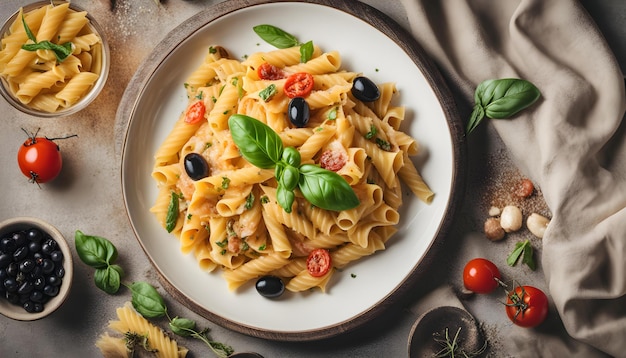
(481, 276)
(267, 71)
(298, 85)
(527, 306)
(195, 112)
(318, 263)
(39, 159)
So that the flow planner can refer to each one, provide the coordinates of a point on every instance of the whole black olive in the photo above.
(196, 166)
(365, 90)
(299, 112)
(270, 286)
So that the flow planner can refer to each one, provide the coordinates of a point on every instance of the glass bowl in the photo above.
(44, 62)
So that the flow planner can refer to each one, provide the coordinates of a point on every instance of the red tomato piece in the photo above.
(332, 160)
(267, 71)
(318, 263)
(527, 306)
(195, 112)
(39, 159)
(299, 85)
(481, 276)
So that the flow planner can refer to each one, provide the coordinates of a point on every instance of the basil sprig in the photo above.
(500, 99)
(523, 249)
(100, 254)
(262, 147)
(280, 38)
(60, 51)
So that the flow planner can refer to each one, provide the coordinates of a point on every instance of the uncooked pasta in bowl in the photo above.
(53, 59)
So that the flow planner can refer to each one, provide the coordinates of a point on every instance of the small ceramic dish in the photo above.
(436, 329)
(61, 79)
(36, 273)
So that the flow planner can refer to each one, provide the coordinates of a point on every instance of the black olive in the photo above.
(299, 112)
(270, 286)
(365, 90)
(196, 166)
(5, 260)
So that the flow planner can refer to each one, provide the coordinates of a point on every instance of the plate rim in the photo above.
(391, 29)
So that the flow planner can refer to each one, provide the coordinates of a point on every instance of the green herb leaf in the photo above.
(500, 99)
(147, 301)
(285, 197)
(268, 92)
(306, 51)
(257, 142)
(94, 251)
(182, 326)
(172, 212)
(109, 279)
(276, 36)
(29, 33)
(523, 249)
(326, 189)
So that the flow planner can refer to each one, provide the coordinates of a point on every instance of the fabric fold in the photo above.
(570, 142)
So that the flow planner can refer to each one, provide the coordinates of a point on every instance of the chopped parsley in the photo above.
(383, 144)
(249, 201)
(225, 183)
(372, 133)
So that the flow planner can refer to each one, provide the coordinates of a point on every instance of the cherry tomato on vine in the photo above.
(267, 71)
(481, 276)
(298, 85)
(39, 159)
(527, 306)
(318, 263)
(195, 112)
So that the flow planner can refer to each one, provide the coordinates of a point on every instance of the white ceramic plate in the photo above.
(156, 97)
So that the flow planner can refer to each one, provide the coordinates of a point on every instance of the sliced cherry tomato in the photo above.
(267, 71)
(527, 306)
(195, 112)
(318, 263)
(298, 85)
(481, 276)
(39, 159)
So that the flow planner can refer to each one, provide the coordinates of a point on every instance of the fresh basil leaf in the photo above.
(183, 327)
(146, 300)
(326, 189)
(511, 260)
(285, 197)
(94, 251)
(171, 218)
(501, 99)
(276, 36)
(257, 142)
(291, 156)
(29, 33)
(306, 51)
(108, 279)
(508, 96)
(290, 178)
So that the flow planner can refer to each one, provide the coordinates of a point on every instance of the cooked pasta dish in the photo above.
(227, 212)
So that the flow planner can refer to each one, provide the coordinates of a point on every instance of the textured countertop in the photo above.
(87, 196)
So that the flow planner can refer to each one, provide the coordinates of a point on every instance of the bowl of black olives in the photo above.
(36, 268)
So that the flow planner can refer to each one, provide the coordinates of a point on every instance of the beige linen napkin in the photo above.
(570, 142)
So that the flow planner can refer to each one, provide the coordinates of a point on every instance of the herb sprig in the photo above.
(282, 39)
(101, 254)
(61, 52)
(501, 99)
(262, 147)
